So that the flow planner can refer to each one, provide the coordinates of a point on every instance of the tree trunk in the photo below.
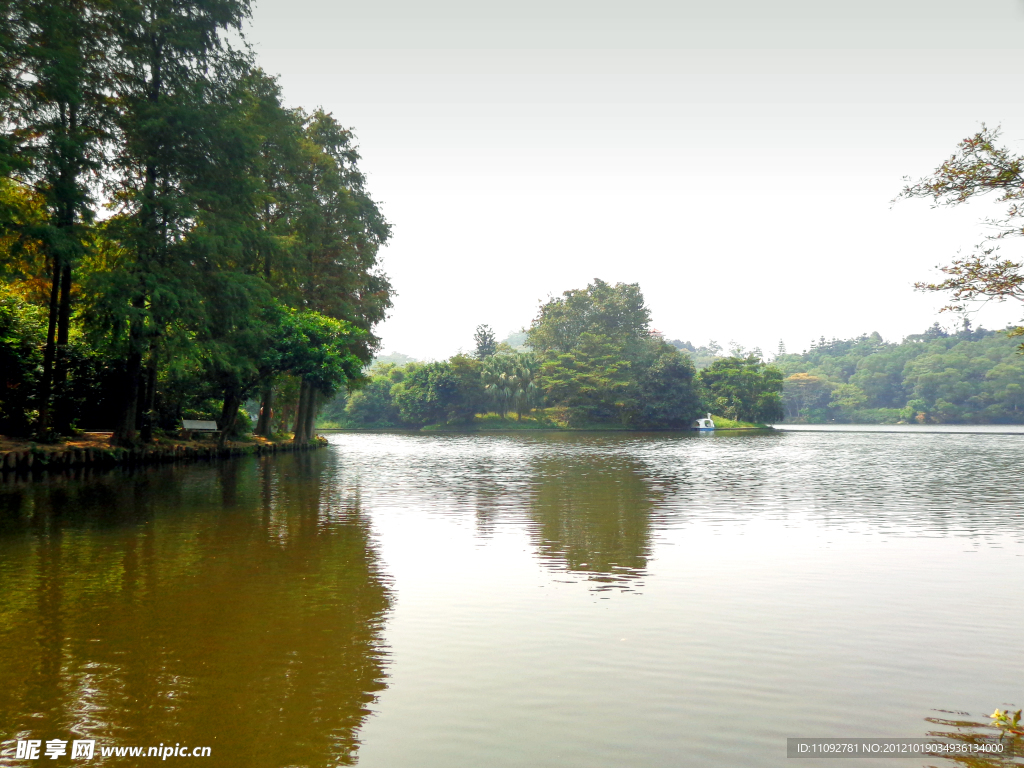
(264, 425)
(62, 405)
(147, 404)
(229, 414)
(46, 385)
(64, 312)
(286, 414)
(299, 435)
(311, 408)
(140, 399)
(295, 414)
(125, 429)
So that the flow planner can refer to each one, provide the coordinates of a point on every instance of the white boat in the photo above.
(704, 425)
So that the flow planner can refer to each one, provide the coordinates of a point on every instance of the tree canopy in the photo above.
(486, 343)
(239, 252)
(600, 362)
(971, 376)
(745, 389)
(617, 312)
(980, 166)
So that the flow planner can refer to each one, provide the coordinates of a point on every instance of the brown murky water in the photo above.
(516, 600)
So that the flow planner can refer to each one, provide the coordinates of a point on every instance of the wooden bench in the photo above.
(192, 426)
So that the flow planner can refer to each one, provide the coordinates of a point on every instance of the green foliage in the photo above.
(22, 344)
(615, 312)
(495, 421)
(592, 380)
(469, 398)
(667, 391)
(745, 389)
(439, 393)
(625, 378)
(22, 335)
(417, 395)
(980, 165)
(510, 382)
(333, 411)
(1008, 722)
(973, 376)
(372, 405)
(806, 395)
(599, 362)
(426, 394)
(702, 357)
(340, 230)
(486, 344)
(319, 349)
(721, 422)
(241, 248)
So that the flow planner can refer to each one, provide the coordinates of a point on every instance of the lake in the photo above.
(549, 599)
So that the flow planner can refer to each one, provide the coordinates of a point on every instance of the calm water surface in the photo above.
(558, 599)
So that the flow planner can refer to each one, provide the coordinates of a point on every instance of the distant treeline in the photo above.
(593, 361)
(972, 376)
(173, 240)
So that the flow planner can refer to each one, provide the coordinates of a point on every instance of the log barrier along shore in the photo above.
(40, 459)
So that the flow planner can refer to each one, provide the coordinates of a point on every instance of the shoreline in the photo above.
(469, 430)
(25, 457)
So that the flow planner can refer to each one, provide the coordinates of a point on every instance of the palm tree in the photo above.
(510, 381)
(526, 393)
(497, 382)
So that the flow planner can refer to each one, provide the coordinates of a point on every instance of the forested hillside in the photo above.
(973, 376)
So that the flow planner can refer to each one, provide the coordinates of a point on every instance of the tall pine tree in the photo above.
(172, 62)
(340, 231)
(63, 121)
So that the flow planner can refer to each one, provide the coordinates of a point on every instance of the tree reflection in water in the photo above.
(238, 606)
(593, 515)
(957, 730)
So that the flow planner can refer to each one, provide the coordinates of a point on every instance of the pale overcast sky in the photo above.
(736, 159)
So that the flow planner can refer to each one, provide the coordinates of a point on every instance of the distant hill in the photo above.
(517, 340)
(973, 376)
(394, 357)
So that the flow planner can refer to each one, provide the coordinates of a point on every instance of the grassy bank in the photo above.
(538, 420)
(545, 419)
(723, 423)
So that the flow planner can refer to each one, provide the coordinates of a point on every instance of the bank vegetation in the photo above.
(174, 240)
(591, 361)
